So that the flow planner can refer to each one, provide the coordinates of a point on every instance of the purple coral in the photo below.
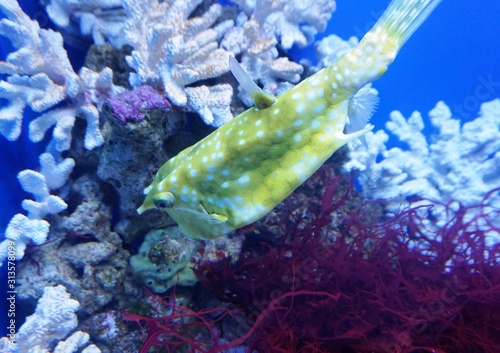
(131, 105)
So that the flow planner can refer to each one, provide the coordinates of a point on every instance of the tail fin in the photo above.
(402, 18)
(379, 47)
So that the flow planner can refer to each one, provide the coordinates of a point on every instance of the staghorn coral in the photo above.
(292, 22)
(172, 50)
(101, 20)
(39, 75)
(460, 163)
(54, 318)
(33, 229)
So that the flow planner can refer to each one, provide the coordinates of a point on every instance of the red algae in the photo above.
(359, 285)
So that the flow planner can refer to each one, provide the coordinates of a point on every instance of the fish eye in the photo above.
(164, 200)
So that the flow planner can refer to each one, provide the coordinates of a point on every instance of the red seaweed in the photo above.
(358, 286)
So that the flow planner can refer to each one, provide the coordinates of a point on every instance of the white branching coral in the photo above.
(292, 22)
(54, 318)
(23, 230)
(461, 163)
(172, 50)
(40, 76)
(101, 20)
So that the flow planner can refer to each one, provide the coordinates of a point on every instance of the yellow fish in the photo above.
(242, 170)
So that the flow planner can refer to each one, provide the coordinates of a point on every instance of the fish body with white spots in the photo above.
(242, 170)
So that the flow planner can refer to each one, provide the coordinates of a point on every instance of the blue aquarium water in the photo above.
(453, 57)
(452, 54)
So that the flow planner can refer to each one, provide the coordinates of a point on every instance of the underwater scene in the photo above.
(242, 176)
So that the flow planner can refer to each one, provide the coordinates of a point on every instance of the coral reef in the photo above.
(40, 76)
(459, 164)
(82, 254)
(53, 320)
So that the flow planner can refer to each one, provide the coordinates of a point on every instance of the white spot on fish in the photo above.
(210, 177)
(300, 108)
(193, 172)
(279, 133)
(338, 77)
(243, 179)
(296, 96)
(334, 95)
(276, 111)
(321, 93)
(225, 172)
(315, 124)
(275, 175)
(241, 142)
(224, 185)
(258, 122)
(334, 85)
(319, 108)
(173, 178)
(298, 122)
(297, 138)
(185, 189)
(260, 134)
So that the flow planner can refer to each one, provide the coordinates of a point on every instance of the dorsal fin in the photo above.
(361, 108)
(261, 98)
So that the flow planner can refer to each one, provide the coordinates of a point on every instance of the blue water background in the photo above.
(456, 49)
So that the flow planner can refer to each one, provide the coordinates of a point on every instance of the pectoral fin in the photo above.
(218, 218)
(361, 108)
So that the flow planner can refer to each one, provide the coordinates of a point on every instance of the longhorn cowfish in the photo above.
(242, 170)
